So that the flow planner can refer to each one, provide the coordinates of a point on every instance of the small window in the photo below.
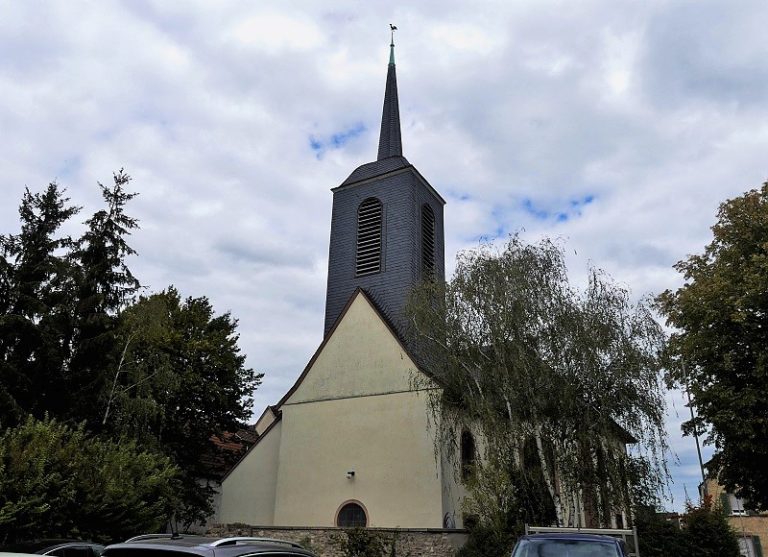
(737, 505)
(351, 515)
(369, 222)
(427, 242)
(467, 454)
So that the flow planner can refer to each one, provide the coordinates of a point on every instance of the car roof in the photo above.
(205, 546)
(567, 536)
(41, 546)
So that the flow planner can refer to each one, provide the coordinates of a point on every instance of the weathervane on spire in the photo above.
(392, 29)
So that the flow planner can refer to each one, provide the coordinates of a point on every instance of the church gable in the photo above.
(361, 356)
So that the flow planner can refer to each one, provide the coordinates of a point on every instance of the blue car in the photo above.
(569, 545)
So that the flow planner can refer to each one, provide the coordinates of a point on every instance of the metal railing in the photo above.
(629, 537)
(247, 539)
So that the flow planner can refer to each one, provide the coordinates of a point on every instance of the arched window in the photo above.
(369, 221)
(351, 515)
(467, 454)
(427, 242)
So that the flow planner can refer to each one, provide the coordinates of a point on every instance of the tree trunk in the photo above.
(548, 476)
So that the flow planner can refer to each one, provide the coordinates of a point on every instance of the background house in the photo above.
(750, 527)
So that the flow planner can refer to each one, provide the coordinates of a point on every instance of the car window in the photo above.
(72, 551)
(565, 548)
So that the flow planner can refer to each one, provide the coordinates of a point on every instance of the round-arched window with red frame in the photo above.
(351, 515)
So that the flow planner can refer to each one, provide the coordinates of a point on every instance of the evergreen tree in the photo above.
(708, 532)
(104, 285)
(162, 372)
(35, 307)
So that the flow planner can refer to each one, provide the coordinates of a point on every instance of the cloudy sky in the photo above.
(616, 125)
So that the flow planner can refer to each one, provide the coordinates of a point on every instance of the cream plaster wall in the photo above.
(386, 441)
(356, 409)
(248, 492)
(361, 357)
(363, 406)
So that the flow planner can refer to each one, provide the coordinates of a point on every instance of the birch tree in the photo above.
(555, 379)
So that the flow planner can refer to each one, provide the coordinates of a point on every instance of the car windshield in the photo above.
(565, 548)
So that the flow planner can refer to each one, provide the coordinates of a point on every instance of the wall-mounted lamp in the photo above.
(351, 475)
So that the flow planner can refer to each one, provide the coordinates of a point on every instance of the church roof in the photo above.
(390, 142)
(376, 168)
(390, 157)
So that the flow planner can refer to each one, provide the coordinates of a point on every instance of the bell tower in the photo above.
(386, 226)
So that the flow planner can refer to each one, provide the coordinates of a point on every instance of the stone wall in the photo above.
(408, 542)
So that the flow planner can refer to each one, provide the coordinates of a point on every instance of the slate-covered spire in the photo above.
(390, 144)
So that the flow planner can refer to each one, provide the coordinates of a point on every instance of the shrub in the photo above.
(57, 481)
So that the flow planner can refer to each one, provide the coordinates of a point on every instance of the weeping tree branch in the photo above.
(521, 354)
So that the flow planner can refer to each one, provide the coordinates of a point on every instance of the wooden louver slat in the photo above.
(369, 222)
(427, 243)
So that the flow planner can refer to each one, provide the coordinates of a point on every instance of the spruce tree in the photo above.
(35, 331)
(104, 285)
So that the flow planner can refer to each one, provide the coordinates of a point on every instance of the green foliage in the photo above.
(56, 481)
(553, 377)
(659, 537)
(704, 533)
(719, 350)
(76, 345)
(104, 285)
(359, 542)
(487, 540)
(506, 496)
(709, 533)
(35, 307)
(180, 380)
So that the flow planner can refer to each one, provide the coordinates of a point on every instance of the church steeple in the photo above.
(390, 144)
(386, 227)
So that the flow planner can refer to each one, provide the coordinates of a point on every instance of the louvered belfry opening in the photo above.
(369, 223)
(427, 242)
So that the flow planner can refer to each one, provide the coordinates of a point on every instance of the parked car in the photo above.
(168, 545)
(56, 548)
(569, 545)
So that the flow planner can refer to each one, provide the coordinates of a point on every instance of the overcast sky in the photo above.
(616, 125)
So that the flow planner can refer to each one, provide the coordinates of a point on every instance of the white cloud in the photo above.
(655, 109)
(273, 32)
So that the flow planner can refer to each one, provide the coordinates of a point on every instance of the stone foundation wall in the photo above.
(408, 542)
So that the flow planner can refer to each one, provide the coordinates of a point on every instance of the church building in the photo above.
(352, 443)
